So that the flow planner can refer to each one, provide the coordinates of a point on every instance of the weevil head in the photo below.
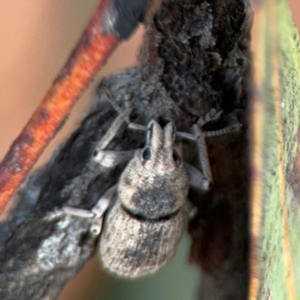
(155, 184)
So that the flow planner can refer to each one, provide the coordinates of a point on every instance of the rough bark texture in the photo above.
(195, 56)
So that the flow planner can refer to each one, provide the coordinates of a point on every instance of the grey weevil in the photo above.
(145, 210)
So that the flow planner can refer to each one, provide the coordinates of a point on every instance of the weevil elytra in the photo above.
(145, 210)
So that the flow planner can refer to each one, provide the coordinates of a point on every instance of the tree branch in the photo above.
(112, 22)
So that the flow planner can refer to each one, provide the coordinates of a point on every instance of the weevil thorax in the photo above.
(155, 184)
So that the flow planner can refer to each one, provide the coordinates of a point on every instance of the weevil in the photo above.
(141, 219)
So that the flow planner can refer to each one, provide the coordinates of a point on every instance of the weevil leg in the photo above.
(197, 179)
(100, 208)
(195, 176)
(99, 154)
(96, 213)
(232, 128)
(77, 212)
(202, 152)
(199, 136)
(212, 115)
(112, 158)
(117, 123)
(112, 101)
(112, 131)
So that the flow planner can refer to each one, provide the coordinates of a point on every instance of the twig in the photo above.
(112, 22)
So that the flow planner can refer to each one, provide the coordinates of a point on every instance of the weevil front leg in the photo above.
(200, 136)
(111, 158)
(203, 179)
(97, 212)
(197, 179)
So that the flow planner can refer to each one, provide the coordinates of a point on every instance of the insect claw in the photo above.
(212, 115)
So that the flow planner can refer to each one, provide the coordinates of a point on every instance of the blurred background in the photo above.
(36, 38)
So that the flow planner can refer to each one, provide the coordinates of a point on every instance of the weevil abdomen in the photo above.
(132, 247)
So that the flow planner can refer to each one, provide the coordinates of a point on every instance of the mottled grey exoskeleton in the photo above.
(145, 214)
(145, 224)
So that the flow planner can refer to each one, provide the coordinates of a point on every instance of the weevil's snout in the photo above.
(159, 154)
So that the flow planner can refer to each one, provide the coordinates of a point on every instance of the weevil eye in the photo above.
(146, 153)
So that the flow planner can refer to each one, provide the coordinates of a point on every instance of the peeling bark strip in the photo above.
(112, 22)
(195, 57)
